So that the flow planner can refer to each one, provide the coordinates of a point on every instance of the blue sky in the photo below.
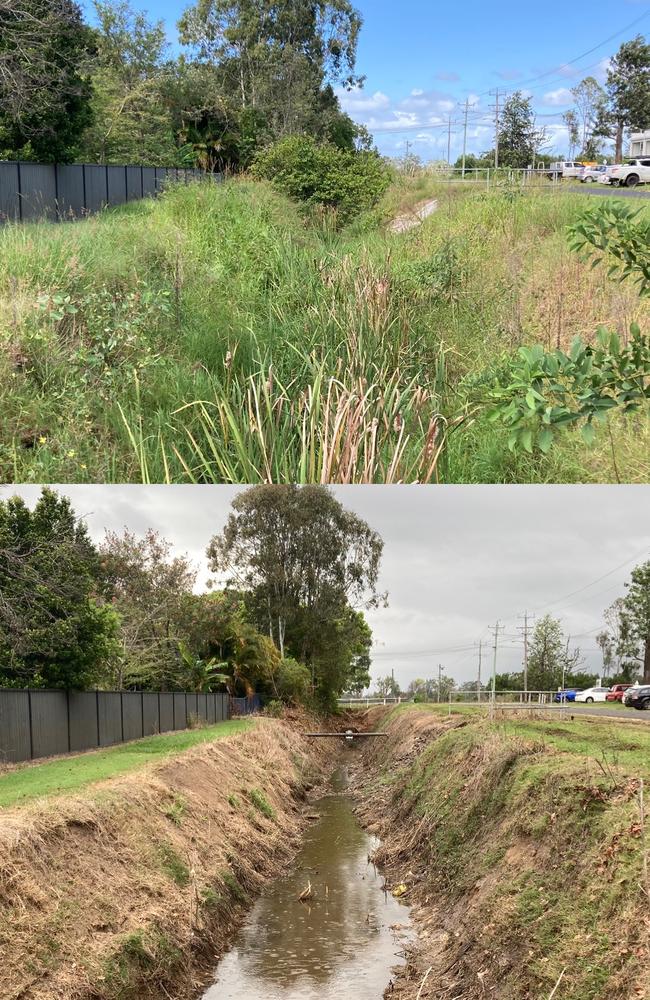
(422, 59)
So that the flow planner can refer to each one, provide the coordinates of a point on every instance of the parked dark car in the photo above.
(638, 697)
(617, 692)
(568, 695)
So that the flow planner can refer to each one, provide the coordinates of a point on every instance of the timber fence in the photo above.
(38, 723)
(65, 191)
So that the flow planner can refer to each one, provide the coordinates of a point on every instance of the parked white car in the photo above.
(594, 175)
(630, 174)
(564, 168)
(592, 694)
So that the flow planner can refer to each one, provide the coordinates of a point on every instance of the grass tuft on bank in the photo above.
(67, 775)
(220, 335)
(530, 832)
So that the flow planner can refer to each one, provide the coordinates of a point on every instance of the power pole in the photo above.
(497, 109)
(526, 618)
(480, 659)
(465, 136)
(497, 628)
(440, 682)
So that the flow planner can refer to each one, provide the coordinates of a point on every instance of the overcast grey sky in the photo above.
(456, 558)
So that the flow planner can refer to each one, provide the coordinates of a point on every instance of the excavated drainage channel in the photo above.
(342, 942)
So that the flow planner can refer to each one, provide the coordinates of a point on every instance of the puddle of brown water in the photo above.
(337, 945)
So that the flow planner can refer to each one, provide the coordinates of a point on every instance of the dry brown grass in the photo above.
(115, 892)
(562, 298)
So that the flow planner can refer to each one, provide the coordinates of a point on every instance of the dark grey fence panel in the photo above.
(49, 716)
(45, 723)
(96, 187)
(32, 191)
(15, 743)
(132, 727)
(9, 186)
(166, 712)
(84, 731)
(109, 708)
(70, 190)
(180, 712)
(116, 184)
(133, 183)
(38, 191)
(150, 716)
(148, 181)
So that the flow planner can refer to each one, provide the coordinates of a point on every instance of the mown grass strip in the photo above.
(70, 774)
(625, 745)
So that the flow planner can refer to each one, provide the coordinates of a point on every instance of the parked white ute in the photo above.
(592, 694)
(630, 174)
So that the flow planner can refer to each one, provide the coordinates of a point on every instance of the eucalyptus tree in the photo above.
(282, 60)
(306, 567)
(132, 119)
(628, 91)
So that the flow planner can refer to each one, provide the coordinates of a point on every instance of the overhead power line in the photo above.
(570, 62)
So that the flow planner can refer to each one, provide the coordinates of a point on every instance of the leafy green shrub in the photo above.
(616, 234)
(544, 391)
(323, 174)
(293, 681)
(441, 275)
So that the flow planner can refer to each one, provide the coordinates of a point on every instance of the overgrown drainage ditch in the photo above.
(328, 929)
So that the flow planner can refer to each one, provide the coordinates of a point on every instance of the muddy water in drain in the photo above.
(338, 944)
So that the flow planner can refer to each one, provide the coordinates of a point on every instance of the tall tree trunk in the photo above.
(619, 142)
(646, 662)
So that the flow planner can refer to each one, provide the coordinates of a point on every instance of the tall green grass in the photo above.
(217, 335)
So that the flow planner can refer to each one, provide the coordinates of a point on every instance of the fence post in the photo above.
(31, 735)
(56, 192)
(20, 192)
(97, 698)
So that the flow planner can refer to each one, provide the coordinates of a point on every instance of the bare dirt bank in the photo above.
(521, 858)
(136, 885)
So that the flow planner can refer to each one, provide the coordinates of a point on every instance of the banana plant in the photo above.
(202, 675)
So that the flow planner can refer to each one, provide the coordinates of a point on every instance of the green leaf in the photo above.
(545, 440)
(588, 433)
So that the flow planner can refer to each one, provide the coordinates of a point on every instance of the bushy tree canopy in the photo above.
(302, 562)
(53, 630)
(44, 79)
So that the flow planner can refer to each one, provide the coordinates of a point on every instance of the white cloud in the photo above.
(358, 101)
(557, 98)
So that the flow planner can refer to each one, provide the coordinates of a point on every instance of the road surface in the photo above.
(571, 708)
(605, 191)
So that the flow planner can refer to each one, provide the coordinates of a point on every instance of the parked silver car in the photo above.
(595, 175)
